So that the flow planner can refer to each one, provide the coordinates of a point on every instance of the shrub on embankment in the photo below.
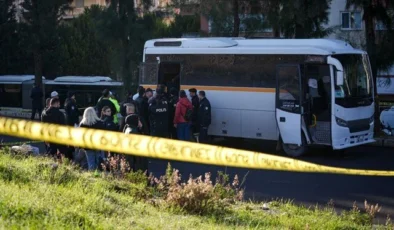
(38, 193)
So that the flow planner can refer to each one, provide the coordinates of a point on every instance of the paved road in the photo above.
(306, 188)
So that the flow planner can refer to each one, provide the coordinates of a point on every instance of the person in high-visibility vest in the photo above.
(112, 98)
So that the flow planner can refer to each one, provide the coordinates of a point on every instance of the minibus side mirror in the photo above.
(339, 78)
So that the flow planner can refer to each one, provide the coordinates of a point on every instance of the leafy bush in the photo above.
(116, 166)
(198, 195)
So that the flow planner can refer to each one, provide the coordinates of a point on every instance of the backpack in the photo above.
(188, 114)
(130, 130)
(131, 124)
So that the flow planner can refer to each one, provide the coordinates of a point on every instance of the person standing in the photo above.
(130, 110)
(142, 110)
(105, 101)
(130, 124)
(196, 105)
(134, 97)
(108, 119)
(54, 94)
(91, 120)
(172, 108)
(148, 94)
(71, 108)
(182, 117)
(72, 118)
(36, 96)
(158, 109)
(54, 116)
(132, 127)
(124, 109)
(113, 99)
(140, 101)
(203, 117)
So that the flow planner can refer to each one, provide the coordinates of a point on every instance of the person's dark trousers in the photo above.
(174, 133)
(69, 152)
(52, 150)
(203, 136)
(35, 110)
(159, 134)
(183, 131)
(140, 164)
(46, 147)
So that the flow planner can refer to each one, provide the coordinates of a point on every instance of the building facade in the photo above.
(78, 7)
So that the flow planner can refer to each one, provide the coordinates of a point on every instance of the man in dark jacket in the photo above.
(130, 110)
(140, 102)
(54, 116)
(72, 111)
(36, 95)
(108, 120)
(172, 106)
(142, 110)
(196, 106)
(204, 117)
(158, 110)
(105, 102)
(72, 119)
(148, 94)
(128, 100)
(131, 127)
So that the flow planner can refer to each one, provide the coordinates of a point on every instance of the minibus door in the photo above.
(148, 74)
(288, 103)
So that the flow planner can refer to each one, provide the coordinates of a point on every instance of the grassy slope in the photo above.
(36, 196)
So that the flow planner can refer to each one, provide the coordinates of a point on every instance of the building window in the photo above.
(351, 20)
(79, 3)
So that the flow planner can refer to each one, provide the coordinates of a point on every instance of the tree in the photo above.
(7, 20)
(7, 31)
(272, 12)
(292, 18)
(117, 27)
(376, 10)
(236, 19)
(183, 24)
(11, 55)
(81, 52)
(41, 19)
(300, 18)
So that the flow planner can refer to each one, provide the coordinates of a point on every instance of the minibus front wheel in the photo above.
(295, 150)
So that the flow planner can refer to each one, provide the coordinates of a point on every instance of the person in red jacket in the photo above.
(183, 115)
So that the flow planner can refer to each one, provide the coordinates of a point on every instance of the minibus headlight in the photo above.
(341, 122)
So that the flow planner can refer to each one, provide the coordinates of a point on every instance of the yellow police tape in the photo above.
(154, 147)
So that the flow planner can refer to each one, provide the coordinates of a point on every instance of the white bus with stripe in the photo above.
(299, 91)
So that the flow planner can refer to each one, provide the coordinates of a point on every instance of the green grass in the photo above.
(36, 195)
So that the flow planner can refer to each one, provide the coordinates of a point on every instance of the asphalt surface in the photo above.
(305, 188)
